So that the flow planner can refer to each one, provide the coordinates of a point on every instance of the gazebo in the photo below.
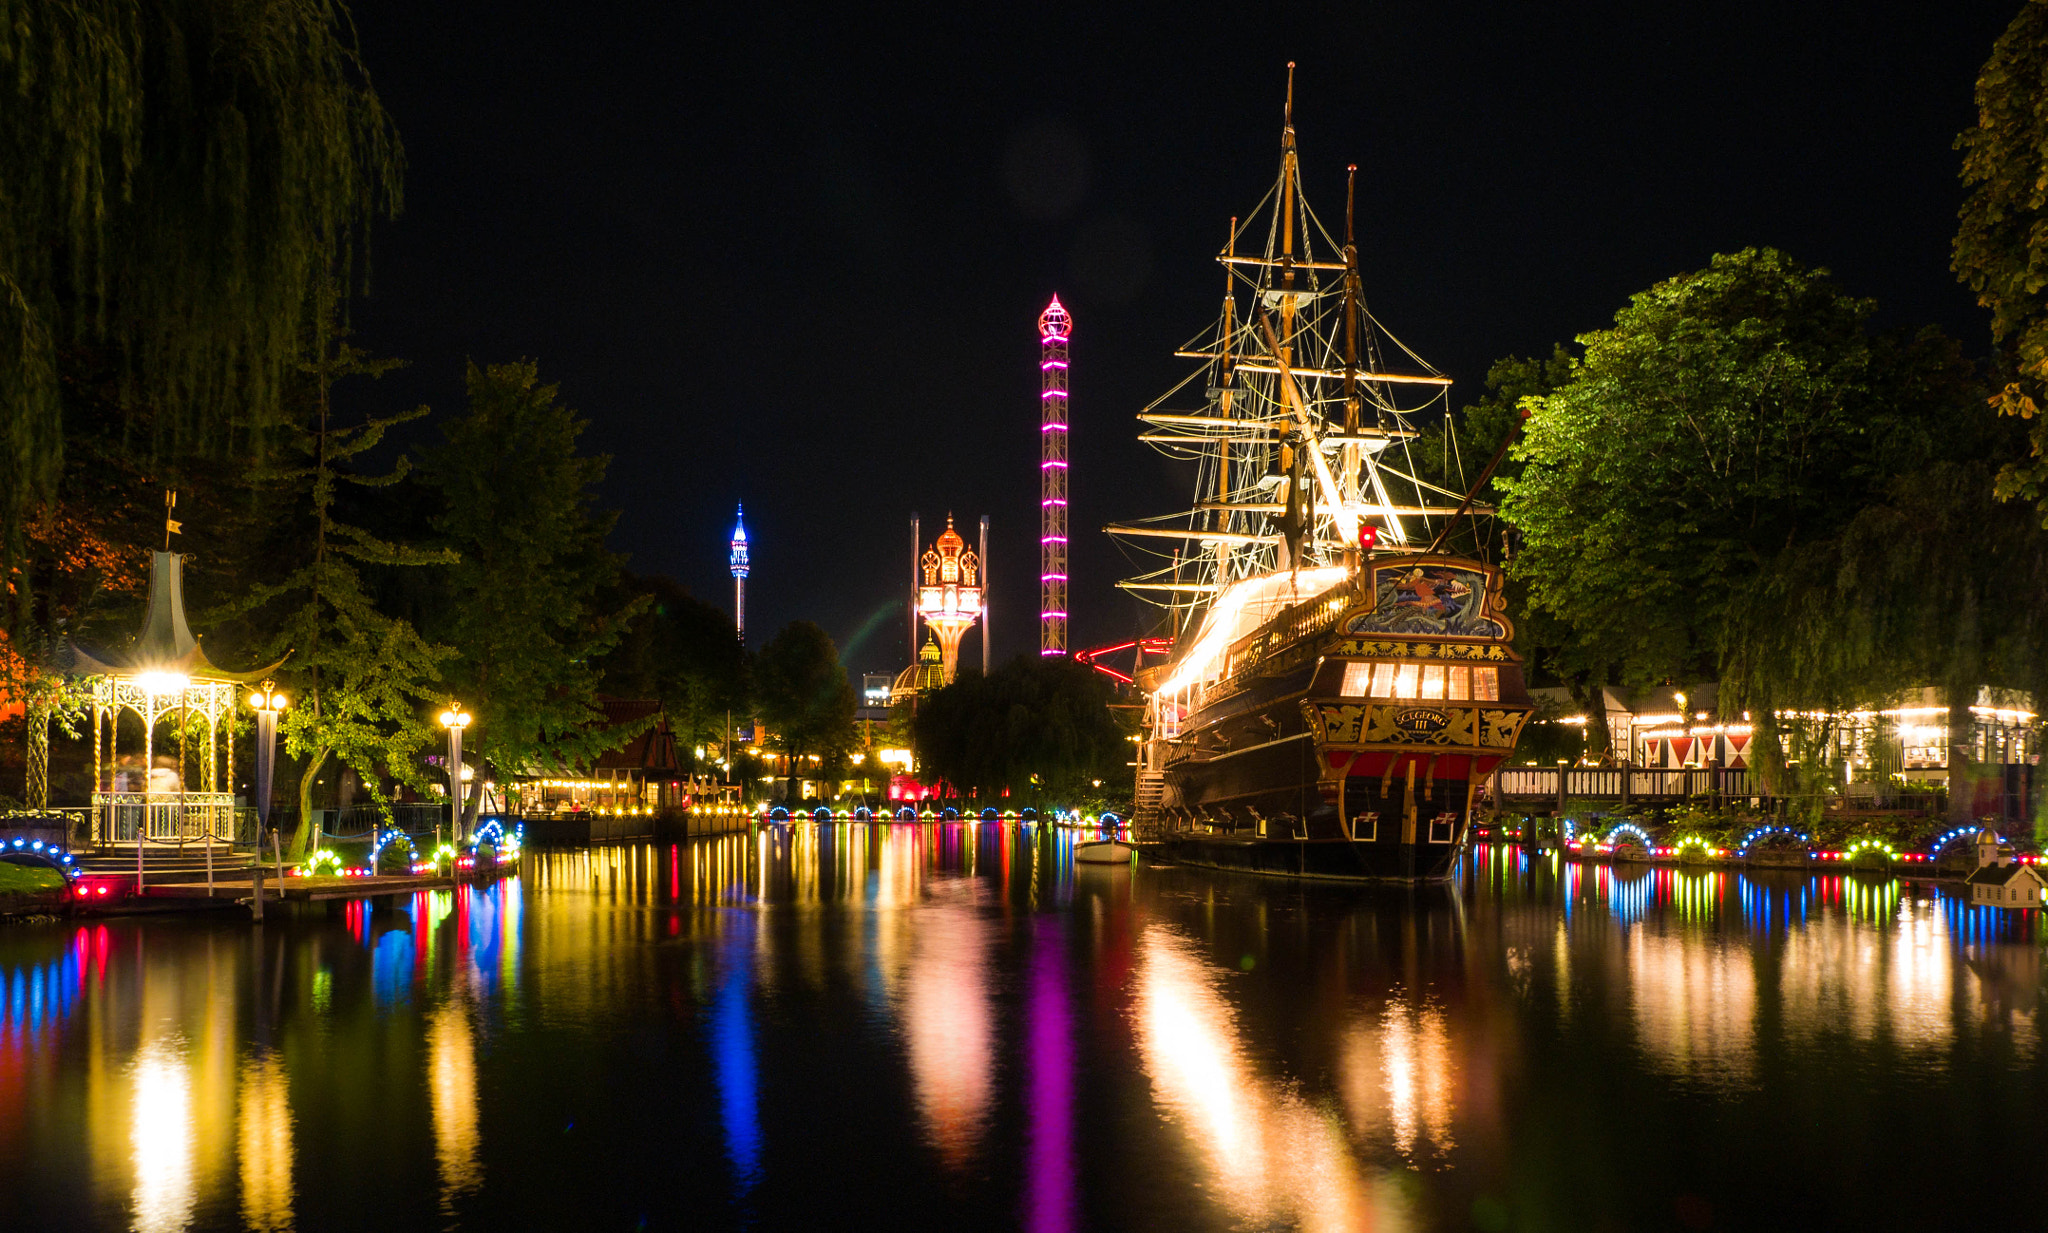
(163, 674)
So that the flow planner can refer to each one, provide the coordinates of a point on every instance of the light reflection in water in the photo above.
(161, 1136)
(947, 1026)
(1399, 1076)
(732, 1051)
(1271, 1157)
(451, 1079)
(1049, 1185)
(265, 1142)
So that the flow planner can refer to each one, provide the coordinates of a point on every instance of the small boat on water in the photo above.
(1342, 678)
(1104, 852)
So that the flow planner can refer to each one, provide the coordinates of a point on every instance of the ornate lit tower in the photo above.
(1054, 328)
(949, 596)
(739, 573)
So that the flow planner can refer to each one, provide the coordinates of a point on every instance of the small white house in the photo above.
(2014, 885)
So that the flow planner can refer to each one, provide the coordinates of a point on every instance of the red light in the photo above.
(1368, 536)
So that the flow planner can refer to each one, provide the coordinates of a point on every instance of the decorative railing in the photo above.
(1625, 784)
(193, 817)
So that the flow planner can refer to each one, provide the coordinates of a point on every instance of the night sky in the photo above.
(794, 257)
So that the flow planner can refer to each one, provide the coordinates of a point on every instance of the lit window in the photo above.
(1357, 680)
(1460, 683)
(1404, 681)
(1486, 684)
(1433, 681)
(1383, 680)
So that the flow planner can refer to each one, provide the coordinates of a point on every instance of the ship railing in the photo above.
(1291, 624)
(1625, 784)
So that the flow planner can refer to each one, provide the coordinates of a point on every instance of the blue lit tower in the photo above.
(739, 573)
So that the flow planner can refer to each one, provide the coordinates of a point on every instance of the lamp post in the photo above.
(455, 719)
(268, 704)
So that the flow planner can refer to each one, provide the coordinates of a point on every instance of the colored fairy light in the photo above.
(1055, 327)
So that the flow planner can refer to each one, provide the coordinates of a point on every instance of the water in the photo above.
(921, 1027)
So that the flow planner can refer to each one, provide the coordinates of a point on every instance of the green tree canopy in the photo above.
(1043, 723)
(1729, 418)
(2001, 249)
(683, 652)
(804, 698)
(183, 183)
(363, 681)
(522, 609)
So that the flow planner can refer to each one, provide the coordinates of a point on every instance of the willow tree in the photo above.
(183, 183)
(2001, 249)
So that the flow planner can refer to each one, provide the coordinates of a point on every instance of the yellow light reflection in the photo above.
(950, 1031)
(160, 1134)
(1695, 1005)
(265, 1143)
(1272, 1158)
(451, 1078)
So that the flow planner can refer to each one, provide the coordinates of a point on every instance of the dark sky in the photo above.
(794, 256)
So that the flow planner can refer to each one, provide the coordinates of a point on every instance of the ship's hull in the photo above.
(1330, 860)
(1345, 747)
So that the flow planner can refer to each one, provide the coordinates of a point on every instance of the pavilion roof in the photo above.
(165, 643)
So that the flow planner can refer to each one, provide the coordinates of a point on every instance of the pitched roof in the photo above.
(2004, 875)
(652, 751)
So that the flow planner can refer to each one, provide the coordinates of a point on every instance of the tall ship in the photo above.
(1341, 682)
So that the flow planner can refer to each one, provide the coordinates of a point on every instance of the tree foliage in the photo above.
(2001, 249)
(181, 184)
(1729, 417)
(1034, 723)
(805, 699)
(683, 652)
(363, 678)
(522, 608)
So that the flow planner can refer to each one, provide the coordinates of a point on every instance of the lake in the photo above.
(947, 1026)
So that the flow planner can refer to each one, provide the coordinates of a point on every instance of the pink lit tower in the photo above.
(1054, 328)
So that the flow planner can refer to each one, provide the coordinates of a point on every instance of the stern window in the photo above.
(1357, 680)
(1486, 684)
(1460, 683)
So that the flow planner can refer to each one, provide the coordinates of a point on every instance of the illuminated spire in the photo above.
(739, 573)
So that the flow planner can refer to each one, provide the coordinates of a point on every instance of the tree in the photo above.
(1043, 724)
(1674, 489)
(522, 611)
(2001, 250)
(805, 699)
(180, 183)
(363, 678)
(684, 652)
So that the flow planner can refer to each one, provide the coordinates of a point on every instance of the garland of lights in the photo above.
(1867, 844)
(1761, 832)
(1630, 828)
(49, 852)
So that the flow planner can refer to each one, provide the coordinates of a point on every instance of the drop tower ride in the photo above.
(1055, 326)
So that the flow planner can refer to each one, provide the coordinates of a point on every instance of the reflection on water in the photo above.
(265, 1143)
(162, 1136)
(942, 1026)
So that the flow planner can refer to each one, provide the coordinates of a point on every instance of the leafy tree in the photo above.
(805, 699)
(1043, 724)
(523, 611)
(363, 679)
(2001, 250)
(180, 182)
(1674, 490)
(684, 652)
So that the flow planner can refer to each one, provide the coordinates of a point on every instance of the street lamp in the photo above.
(455, 719)
(268, 705)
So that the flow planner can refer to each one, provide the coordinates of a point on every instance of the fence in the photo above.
(1624, 784)
(191, 817)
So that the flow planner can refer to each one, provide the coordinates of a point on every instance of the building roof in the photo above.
(2005, 875)
(165, 643)
(653, 750)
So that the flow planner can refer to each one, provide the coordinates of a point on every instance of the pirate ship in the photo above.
(1342, 680)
